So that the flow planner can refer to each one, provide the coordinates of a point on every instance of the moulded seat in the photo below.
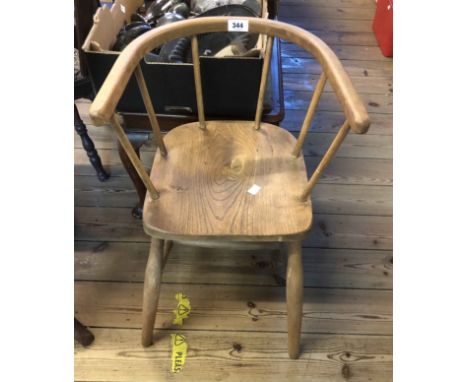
(205, 178)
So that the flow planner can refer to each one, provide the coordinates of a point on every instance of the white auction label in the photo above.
(254, 189)
(238, 25)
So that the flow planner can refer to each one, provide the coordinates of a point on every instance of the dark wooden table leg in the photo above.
(137, 140)
(273, 6)
(82, 334)
(88, 145)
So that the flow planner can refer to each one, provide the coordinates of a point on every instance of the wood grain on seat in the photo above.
(204, 181)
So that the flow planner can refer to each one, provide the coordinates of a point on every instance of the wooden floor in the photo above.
(237, 329)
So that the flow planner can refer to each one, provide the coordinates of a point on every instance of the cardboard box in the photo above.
(230, 84)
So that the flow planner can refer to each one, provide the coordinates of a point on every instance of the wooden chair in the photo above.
(200, 186)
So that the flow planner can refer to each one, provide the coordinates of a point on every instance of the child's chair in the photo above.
(228, 183)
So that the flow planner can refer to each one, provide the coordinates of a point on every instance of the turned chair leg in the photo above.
(294, 297)
(153, 275)
(88, 145)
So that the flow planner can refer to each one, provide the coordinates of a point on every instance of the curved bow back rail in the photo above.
(102, 110)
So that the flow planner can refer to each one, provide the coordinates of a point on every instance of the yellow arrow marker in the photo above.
(183, 309)
(179, 352)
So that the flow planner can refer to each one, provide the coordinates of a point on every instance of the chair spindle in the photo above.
(263, 82)
(125, 142)
(334, 146)
(150, 110)
(310, 114)
(198, 83)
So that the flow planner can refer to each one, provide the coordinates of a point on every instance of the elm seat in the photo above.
(203, 184)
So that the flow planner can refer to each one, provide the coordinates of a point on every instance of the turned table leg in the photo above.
(82, 334)
(88, 145)
(294, 297)
(137, 140)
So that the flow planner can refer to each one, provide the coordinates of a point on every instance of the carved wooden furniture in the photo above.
(83, 89)
(84, 9)
(228, 183)
(82, 334)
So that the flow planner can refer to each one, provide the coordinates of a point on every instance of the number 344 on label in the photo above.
(238, 25)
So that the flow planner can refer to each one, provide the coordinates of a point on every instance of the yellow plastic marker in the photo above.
(179, 352)
(183, 309)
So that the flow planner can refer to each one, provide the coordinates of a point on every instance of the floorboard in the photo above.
(331, 3)
(237, 328)
(363, 85)
(237, 308)
(355, 68)
(323, 267)
(332, 13)
(235, 356)
(344, 52)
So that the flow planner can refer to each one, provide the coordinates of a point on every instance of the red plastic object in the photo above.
(383, 26)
